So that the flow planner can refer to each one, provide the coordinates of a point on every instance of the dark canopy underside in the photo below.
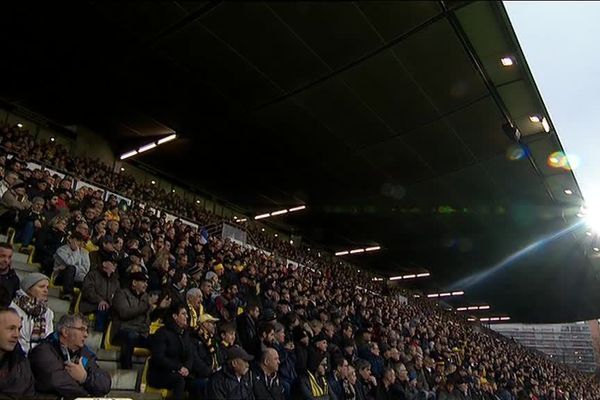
(385, 118)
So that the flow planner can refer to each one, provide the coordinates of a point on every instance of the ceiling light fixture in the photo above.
(242, 220)
(409, 276)
(261, 216)
(373, 248)
(122, 169)
(274, 213)
(147, 147)
(167, 139)
(52, 139)
(153, 182)
(297, 208)
(342, 253)
(568, 192)
(20, 125)
(507, 61)
(546, 125)
(534, 118)
(355, 251)
(446, 294)
(197, 201)
(128, 154)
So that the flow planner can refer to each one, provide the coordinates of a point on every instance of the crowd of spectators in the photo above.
(223, 320)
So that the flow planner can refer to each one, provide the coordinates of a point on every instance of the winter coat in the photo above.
(16, 378)
(97, 287)
(171, 350)
(246, 328)
(11, 282)
(224, 385)
(47, 363)
(27, 327)
(79, 258)
(131, 312)
(266, 388)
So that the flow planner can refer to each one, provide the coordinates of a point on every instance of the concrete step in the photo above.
(20, 257)
(115, 365)
(123, 379)
(113, 355)
(24, 266)
(58, 305)
(54, 292)
(126, 394)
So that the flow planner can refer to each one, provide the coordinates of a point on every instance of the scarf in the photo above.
(211, 348)
(37, 311)
(316, 389)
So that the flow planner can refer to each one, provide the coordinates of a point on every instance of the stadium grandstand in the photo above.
(282, 200)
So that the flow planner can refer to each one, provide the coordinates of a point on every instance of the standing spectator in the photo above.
(233, 382)
(31, 303)
(98, 290)
(8, 277)
(17, 379)
(267, 385)
(71, 265)
(64, 366)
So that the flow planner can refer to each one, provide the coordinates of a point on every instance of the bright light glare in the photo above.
(507, 61)
(591, 216)
(167, 139)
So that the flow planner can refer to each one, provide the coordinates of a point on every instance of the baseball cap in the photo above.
(236, 352)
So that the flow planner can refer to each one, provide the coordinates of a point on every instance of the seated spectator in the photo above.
(313, 384)
(267, 384)
(48, 240)
(8, 277)
(205, 346)
(172, 362)
(247, 329)
(194, 303)
(131, 308)
(10, 178)
(226, 340)
(31, 222)
(232, 381)
(31, 303)
(71, 265)
(349, 385)
(177, 288)
(14, 203)
(98, 289)
(17, 379)
(385, 390)
(64, 366)
(367, 383)
(107, 249)
(373, 357)
(337, 376)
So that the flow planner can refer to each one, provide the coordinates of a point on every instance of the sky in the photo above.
(561, 43)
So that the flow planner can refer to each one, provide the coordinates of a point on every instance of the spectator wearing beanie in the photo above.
(17, 379)
(98, 290)
(31, 303)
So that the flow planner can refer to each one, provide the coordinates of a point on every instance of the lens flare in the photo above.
(516, 152)
(568, 162)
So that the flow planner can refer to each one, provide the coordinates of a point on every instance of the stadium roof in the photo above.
(385, 118)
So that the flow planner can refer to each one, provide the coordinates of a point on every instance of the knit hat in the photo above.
(210, 275)
(31, 279)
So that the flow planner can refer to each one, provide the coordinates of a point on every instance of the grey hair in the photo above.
(69, 320)
(193, 292)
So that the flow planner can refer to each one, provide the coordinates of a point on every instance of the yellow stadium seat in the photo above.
(145, 388)
(108, 345)
(91, 317)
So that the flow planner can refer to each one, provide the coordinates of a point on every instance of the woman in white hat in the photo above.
(31, 303)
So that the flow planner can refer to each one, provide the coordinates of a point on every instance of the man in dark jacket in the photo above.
(172, 362)
(16, 378)
(267, 385)
(64, 366)
(336, 377)
(8, 277)
(233, 382)
(247, 329)
(131, 309)
(98, 289)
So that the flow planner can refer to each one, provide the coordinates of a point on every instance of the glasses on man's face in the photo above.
(82, 329)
